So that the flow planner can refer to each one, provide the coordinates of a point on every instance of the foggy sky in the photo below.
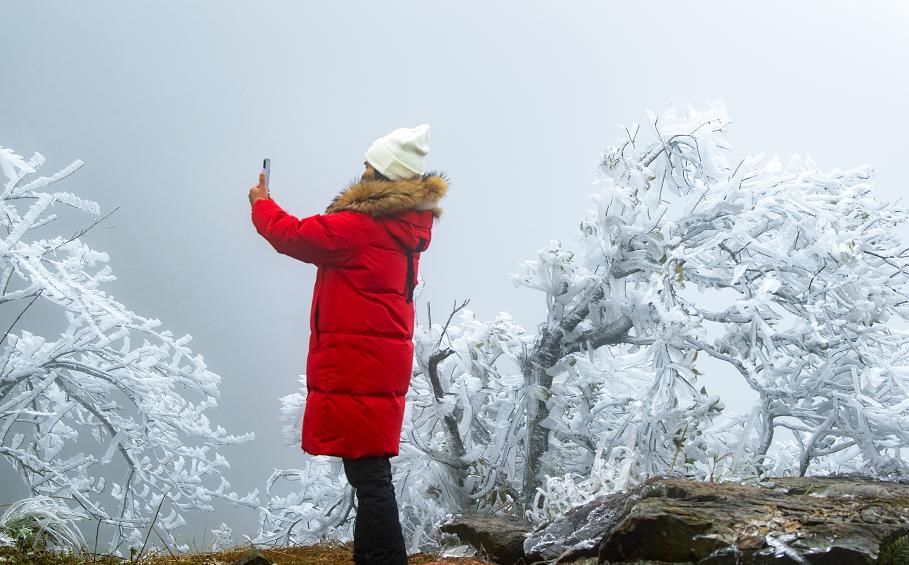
(173, 105)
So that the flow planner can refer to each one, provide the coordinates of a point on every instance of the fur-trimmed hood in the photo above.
(380, 198)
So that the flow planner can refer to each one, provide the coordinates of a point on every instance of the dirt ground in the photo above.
(310, 555)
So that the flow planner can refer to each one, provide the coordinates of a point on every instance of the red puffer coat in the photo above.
(367, 247)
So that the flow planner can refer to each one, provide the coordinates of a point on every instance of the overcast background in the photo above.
(173, 105)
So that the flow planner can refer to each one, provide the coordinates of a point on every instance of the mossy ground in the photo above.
(314, 555)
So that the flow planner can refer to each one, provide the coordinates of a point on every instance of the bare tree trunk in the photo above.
(818, 435)
(458, 470)
(538, 383)
(458, 474)
(550, 347)
(766, 436)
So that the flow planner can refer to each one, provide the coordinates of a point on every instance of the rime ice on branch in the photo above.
(818, 278)
(113, 393)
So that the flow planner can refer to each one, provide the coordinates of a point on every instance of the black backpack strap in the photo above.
(411, 281)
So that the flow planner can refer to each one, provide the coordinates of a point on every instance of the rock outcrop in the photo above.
(499, 538)
(253, 557)
(840, 521)
(787, 520)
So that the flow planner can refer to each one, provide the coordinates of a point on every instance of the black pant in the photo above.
(377, 530)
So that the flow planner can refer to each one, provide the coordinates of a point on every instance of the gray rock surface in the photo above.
(253, 557)
(578, 533)
(810, 520)
(500, 538)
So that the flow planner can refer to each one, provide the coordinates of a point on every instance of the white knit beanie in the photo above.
(400, 154)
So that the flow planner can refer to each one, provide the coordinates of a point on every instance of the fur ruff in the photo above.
(379, 198)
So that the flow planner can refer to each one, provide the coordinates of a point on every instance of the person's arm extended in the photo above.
(318, 239)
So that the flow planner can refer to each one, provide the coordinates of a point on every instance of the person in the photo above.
(366, 247)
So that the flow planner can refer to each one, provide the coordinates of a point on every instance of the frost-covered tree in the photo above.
(789, 279)
(792, 278)
(463, 442)
(112, 395)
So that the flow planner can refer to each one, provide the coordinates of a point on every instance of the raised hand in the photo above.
(258, 191)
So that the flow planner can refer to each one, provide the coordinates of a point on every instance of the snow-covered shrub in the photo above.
(113, 393)
(41, 522)
(222, 538)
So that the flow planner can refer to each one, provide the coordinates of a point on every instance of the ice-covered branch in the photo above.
(143, 406)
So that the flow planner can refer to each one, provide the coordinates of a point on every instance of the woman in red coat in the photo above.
(366, 247)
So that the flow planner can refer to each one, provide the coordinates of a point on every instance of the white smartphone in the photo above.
(266, 167)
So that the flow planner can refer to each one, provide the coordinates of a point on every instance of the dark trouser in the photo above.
(377, 530)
